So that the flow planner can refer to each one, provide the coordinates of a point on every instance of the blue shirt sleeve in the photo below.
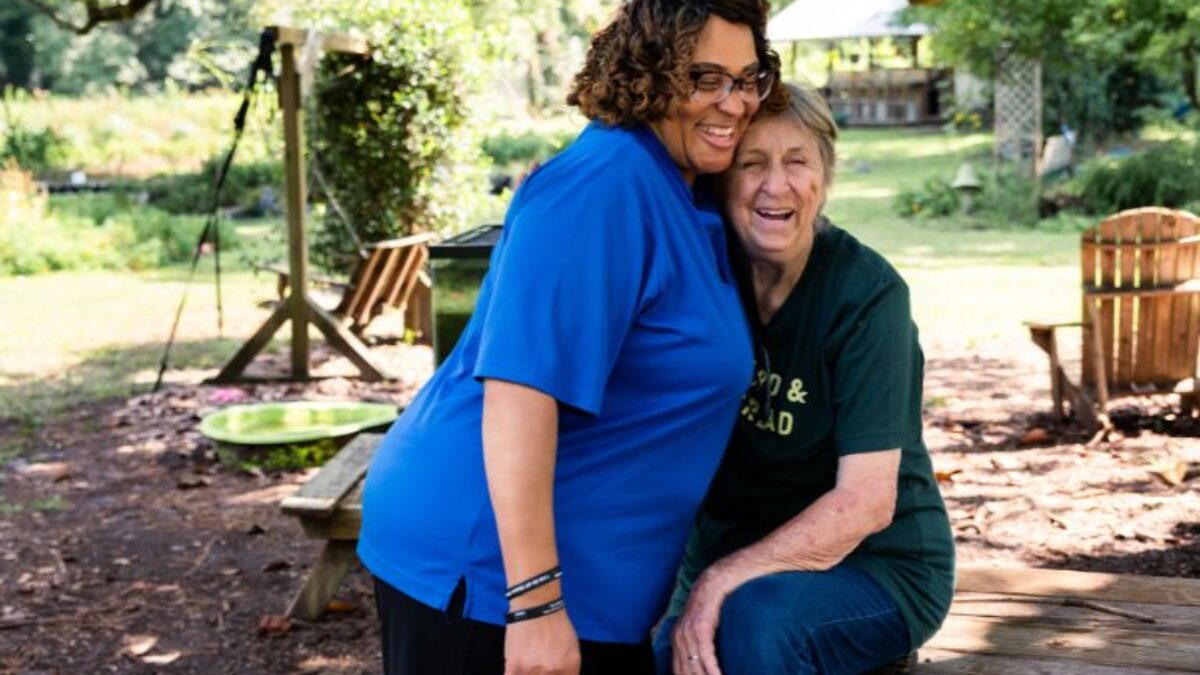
(567, 285)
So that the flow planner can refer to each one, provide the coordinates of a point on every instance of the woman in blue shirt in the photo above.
(527, 512)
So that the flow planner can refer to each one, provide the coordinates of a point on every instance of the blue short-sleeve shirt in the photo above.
(609, 290)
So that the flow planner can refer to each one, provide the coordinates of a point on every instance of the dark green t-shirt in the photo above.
(845, 377)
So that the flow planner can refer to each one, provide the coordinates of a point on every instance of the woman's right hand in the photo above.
(543, 646)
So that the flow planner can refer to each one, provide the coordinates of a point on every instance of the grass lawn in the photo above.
(968, 285)
(74, 338)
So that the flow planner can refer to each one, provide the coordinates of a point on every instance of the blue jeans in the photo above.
(799, 623)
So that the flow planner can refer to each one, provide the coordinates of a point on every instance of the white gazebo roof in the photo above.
(805, 20)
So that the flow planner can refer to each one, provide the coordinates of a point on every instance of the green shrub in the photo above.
(192, 192)
(35, 149)
(392, 130)
(1007, 199)
(934, 199)
(507, 148)
(1164, 175)
(88, 232)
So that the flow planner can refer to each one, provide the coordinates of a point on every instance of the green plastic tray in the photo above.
(293, 422)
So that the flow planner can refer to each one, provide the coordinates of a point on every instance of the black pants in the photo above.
(421, 640)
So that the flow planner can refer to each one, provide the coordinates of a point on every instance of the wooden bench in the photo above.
(1003, 621)
(329, 507)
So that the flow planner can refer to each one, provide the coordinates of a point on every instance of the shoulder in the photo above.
(602, 159)
(855, 268)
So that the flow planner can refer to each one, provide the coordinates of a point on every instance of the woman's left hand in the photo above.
(694, 640)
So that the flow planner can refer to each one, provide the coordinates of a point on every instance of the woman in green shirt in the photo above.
(823, 545)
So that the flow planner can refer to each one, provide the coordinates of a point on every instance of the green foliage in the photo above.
(280, 458)
(508, 148)
(1165, 175)
(100, 232)
(1102, 59)
(36, 148)
(934, 199)
(1008, 199)
(193, 192)
(1005, 199)
(191, 43)
(393, 136)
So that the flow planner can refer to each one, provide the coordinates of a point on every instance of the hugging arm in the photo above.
(818, 538)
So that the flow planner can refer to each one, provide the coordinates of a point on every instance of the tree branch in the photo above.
(96, 13)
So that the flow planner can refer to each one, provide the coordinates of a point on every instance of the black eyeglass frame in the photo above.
(763, 80)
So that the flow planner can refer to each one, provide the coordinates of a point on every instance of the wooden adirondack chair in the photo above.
(392, 276)
(1141, 314)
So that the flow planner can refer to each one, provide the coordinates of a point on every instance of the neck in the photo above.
(773, 281)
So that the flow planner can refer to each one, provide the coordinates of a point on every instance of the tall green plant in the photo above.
(391, 130)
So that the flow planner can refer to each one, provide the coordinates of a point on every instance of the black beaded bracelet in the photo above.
(535, 612)
(533, 582)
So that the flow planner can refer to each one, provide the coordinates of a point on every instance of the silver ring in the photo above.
(693, 657)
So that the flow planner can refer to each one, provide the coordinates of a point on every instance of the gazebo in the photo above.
(876, 96)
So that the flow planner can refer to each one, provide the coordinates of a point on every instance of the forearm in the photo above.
(823, 534)
(520, 436)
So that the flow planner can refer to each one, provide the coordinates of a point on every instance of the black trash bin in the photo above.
(458, 265)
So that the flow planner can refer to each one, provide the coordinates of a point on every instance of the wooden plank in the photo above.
(1129, 259)
(344, 524)
(942, 662)
(1104, 646)
(294, 189)
(345, 342)
(1187, 312)
(1051, 610)
(246, 353)
(330, 42)
(360, 283)
(321, 493)
(1088, 585)
(336, 560)
(1089, 276)
(374, 286)
(1106, 279)
(1168, 345)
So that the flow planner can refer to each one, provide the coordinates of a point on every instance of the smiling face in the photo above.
(701, 137)
(775, 190)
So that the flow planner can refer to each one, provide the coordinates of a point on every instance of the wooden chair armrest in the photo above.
(1039, 326)
(410, 240)
(319, 496)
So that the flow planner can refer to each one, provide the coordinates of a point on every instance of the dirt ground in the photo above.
(125, 547)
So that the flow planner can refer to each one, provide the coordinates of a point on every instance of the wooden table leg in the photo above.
(337, 558)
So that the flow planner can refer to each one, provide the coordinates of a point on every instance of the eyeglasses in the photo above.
(714, 86)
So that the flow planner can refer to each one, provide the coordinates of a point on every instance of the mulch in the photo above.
(125, 547)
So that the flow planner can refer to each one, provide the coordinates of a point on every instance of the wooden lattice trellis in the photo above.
(1018, 110)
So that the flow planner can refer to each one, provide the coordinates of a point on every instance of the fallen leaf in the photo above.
(192, 482)
(946, 476)
(1171, 471)
(137, 645)
(341, 606)
(256, 529)
(161, 659)
(54, 471)
(1034, 436)
(276, 566)
(274, 624)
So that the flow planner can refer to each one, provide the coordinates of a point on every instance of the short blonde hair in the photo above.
(805, 105)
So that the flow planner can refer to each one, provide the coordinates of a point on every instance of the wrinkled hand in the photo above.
(694, 640)
(543, 646)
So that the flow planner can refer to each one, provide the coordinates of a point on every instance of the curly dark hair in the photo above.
(638, 64)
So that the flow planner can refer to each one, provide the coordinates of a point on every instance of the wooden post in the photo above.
(293, 135)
